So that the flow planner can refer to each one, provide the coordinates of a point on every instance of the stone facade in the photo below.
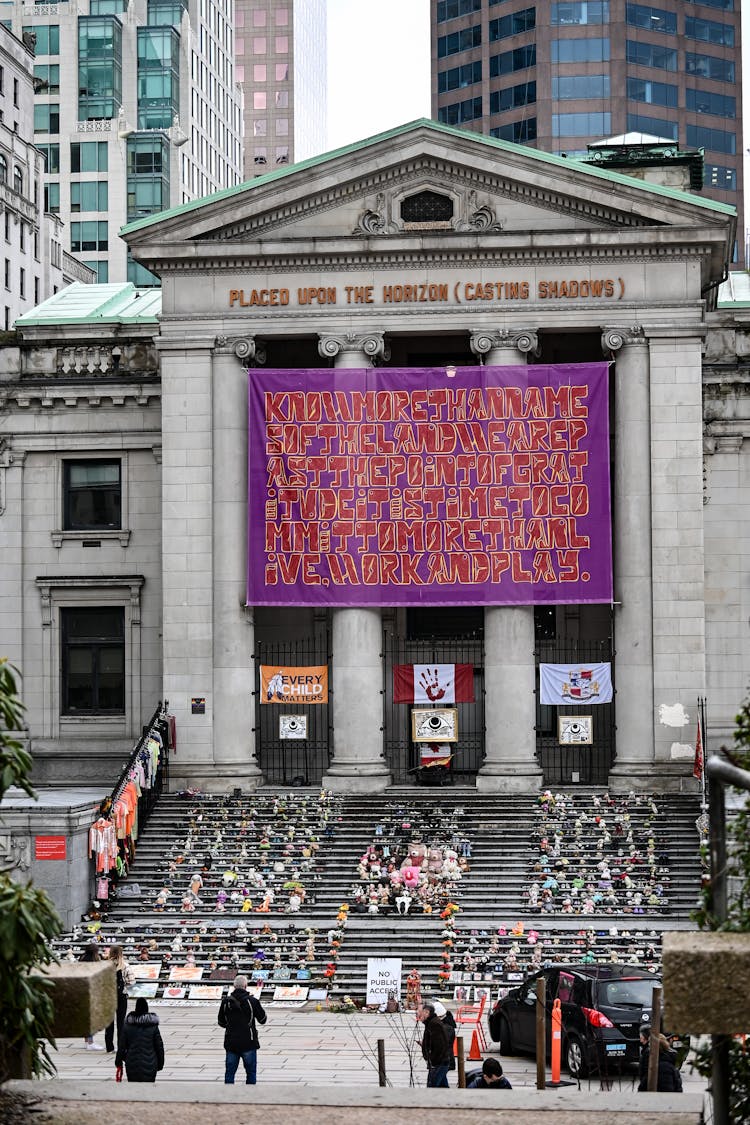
(543, 260)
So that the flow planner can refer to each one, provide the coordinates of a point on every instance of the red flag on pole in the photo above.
(698, 763)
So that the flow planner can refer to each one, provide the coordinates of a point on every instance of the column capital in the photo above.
(615, 338)
(525, 341)
(248, 351)
(372, 345)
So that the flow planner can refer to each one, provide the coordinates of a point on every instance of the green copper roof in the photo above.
(111, 304)
(448, 130)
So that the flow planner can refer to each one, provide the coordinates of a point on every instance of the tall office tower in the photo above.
(281, 61)
(136, 110)
(33, 263)
(560, 75)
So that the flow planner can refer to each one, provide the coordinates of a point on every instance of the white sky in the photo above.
(378, 66)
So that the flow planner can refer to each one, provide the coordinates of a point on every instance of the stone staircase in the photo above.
(319, 845)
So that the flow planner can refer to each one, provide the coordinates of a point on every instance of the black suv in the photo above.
(602, 1008)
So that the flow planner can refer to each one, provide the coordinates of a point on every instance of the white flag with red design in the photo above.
(433, 683)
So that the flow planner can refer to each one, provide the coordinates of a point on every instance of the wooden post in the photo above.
(541, 1046)
(461, 1062)
(381, 1062)
(653, 1054)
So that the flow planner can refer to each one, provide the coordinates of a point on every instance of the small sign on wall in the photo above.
(198, 705)
(50, 847)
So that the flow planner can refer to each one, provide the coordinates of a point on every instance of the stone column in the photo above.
(633, 663)
(233, 623)
(510, 763)
(358, 764)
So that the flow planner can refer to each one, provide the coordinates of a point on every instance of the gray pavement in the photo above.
(304, 1047)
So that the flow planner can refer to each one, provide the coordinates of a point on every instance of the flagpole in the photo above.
(702, 723)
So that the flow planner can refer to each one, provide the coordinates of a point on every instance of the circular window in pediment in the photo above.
(427, 207)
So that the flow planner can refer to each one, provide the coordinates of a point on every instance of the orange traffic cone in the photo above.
(474, 1052)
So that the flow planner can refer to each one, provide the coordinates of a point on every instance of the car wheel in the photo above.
(574, 1057)
(503, 1036)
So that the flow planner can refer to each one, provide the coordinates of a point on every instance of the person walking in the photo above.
(239, 1015)
(125, 977)
(436, 1050)
(91, 953)
(141, 1049)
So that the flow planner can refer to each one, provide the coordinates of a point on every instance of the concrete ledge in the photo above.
(84, 996)
(706, 980)
(567, 1106)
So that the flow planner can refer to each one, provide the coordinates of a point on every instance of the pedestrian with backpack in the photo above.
(239, 1014)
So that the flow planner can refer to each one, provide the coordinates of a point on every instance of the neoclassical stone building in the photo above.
(124, 523)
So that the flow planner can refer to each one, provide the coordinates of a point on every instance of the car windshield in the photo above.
(626, 993)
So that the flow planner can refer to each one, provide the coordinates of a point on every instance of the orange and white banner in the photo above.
(293, 685)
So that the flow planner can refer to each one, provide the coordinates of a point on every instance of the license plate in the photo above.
(615, 1048)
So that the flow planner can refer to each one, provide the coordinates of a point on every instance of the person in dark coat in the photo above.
(436, 1049)
(490, 1077)
(668, 1080)
(239, 1014)
(141, 1048)
(125, 977)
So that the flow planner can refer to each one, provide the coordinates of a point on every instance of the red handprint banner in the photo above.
(433, 683)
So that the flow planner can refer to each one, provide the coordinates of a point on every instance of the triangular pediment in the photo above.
(426, 179)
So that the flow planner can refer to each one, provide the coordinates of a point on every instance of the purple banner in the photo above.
(421, 486)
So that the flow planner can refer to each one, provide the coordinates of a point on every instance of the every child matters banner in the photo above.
(415, 486)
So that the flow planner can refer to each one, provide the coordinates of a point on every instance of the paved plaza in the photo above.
(304, 1047)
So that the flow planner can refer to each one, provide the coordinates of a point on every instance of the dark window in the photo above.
(459, 77)
(451, 9)
(701, 101)
(518, 131)
(459, 41)
(423, 622)
(651, 19)
(92, 495)
(513, 24)
(655, 126)
(519, 59)
(708, 66)
(647, 54)
(427, 207)
(460, 112)
(512, 97)
(654, 93)
(717, 139)
(93, 660)
(720, 177)
(722, 34)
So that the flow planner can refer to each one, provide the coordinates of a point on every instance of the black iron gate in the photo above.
(587, 764)
(291, 760)
(403, 754)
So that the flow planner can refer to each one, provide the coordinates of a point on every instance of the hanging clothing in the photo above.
(103, 844)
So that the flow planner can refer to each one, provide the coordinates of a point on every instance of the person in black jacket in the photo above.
(668, 1080)
(490, 1077)
(436, 1049)
(125, 977)
(239, 1014)
(141, 1048)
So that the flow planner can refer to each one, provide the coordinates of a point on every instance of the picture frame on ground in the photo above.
(460, 994)
(480, 993)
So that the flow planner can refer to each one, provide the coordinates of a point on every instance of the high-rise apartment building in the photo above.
(136, 110)
(558, 75)
(281, 62)
(33, 263)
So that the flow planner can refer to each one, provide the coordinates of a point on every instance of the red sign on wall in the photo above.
(49, 847)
